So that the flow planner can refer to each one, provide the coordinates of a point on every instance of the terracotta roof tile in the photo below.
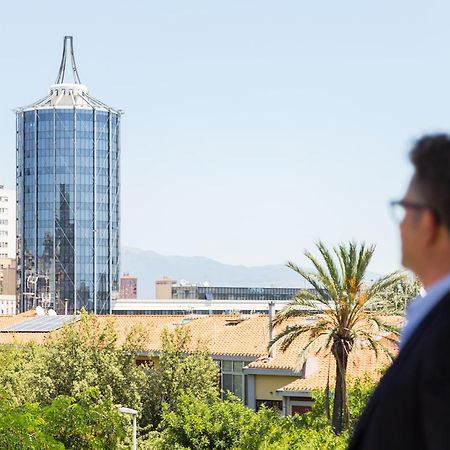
(361, 363)
(222, 335)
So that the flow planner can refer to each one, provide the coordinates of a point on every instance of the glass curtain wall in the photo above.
(68, 207)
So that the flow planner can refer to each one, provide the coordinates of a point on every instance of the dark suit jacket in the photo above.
(410, 409)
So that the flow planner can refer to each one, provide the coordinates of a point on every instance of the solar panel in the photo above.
(40, 324)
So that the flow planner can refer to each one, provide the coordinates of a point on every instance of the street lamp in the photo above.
(133, 413)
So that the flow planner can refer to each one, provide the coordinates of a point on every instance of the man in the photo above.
(410, 409)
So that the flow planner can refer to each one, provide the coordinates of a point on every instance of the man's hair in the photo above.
(431, 159)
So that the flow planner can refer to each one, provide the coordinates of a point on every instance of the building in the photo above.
(7, 276)
(7, 223)
(163, 288)
(7, 286)
(68, 198)
(168, 288)
(239, 346)
(7, 305)
(195, 307)
(128, 287)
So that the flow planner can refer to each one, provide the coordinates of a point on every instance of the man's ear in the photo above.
(430, 227)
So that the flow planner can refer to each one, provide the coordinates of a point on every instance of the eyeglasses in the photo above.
(399, 207)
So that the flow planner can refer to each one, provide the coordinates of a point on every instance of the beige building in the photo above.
(7, 223)
(163, 288)
(7, 276)
(7, 286)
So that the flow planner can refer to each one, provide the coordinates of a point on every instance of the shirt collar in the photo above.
(421, 306)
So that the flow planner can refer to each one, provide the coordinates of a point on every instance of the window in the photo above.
(3, 233)
(3, 244)
(277, 405)
(3, 210)
(232, 378)
(3, 221)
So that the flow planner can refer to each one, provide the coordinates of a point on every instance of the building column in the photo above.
(251, 391)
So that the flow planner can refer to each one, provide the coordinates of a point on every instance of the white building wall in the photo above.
(8, 305)
(7, 223)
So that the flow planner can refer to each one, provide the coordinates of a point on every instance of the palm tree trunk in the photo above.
(340, 350)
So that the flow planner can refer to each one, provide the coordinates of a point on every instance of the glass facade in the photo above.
(232, 293)
(68, 207)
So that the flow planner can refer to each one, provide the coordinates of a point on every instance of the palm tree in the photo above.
(350, 312)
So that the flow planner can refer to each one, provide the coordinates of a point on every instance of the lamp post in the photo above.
(133, 413)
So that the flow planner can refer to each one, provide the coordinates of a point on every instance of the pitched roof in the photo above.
(228, 336)
(361, 363)
(317, 366)
(222, 335)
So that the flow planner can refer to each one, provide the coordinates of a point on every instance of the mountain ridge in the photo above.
(149, 266)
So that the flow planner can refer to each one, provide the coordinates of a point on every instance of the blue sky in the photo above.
(252, 128)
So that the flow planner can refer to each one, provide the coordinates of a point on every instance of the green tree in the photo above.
(396, 297)
(350, 312)
(86, 423)
(23, 428)
(196, 423)
(86, 355)
(22, 377)
(182, 366)
(227, 424)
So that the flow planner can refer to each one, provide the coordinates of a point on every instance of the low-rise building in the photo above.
(194, 307)
(128, 287)
(7, 276)
(7, 305)
(239, 345)
(168, 288)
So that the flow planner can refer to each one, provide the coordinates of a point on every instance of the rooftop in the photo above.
(68, 95)
(245, 337)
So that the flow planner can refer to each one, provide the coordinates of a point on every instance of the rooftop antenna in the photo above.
(67, 47)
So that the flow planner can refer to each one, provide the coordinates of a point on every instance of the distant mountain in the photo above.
(149, 266)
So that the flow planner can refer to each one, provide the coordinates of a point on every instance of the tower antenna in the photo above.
(67, 47)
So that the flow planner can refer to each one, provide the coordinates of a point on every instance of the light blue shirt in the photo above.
(421, 306)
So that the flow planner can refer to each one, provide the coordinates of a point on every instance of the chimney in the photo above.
(271, 311)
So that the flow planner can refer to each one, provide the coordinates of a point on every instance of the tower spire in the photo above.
(67, 47)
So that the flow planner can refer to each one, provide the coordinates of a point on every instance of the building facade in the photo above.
(196, 307)
(128, 287)
(168, 288)
(7, 276)
(7, 223)
(68, 199)
(7, 305)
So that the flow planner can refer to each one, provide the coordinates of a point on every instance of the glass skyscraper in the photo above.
(68, 198)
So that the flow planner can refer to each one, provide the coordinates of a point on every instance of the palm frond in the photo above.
(302, 356)
(293, 309)
(331, 265)
(364, 257)
(376, 346)
(323, 295)
(288, 335)
(386, 281)
(383, 326)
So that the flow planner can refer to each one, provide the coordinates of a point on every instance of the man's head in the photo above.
(425, 230)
